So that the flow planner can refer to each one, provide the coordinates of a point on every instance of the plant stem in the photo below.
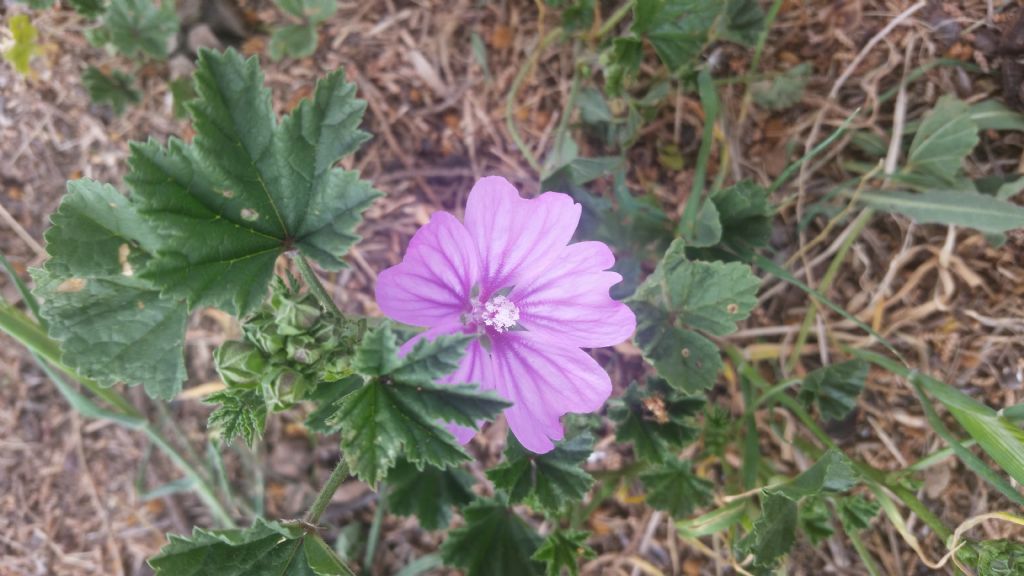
(909, 499)
(373, 538)
(316, 287)
(17, 325)
(865, 555)
(510, 98)
(614, 19)
(46, 352)
(339, 475)
(202, 486)
(830, 274)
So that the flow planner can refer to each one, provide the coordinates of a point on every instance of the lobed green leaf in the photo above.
(655, 419)
(551, 481)
(113, 325)
(248, 189)
(429, 494)
(494, 542)
(399, 411)
(264, 549)
(564, 549)
(140, 27)
(676, 489)
(835, 388)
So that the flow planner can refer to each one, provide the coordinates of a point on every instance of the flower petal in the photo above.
(569, 302)
(433, 283)
(516, 237)
(544, 379)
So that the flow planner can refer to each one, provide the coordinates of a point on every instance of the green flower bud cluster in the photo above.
(290, 346)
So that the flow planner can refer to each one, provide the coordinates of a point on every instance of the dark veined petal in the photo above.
(570, 303)
(433, 283)
(544, 379)
(517, 238)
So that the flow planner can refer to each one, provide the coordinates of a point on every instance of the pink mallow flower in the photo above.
(510, 275)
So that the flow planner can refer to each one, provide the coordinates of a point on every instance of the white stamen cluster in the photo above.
(500, 313)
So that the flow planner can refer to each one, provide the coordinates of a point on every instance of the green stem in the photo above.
(830, 275)
(510, 98)
(570, 104)
(26, 294)
(47, 354)
(614, 19)
(709, 102)
(755, 61)
(776, 390)
(202, 486)
(338, 476)
(865, 555)
(316, 287)
(870, 473)
(373, 538)
(18, 326)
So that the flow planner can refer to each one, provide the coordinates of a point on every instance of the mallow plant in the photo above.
(494, 316)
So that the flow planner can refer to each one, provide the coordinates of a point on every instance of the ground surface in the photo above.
(73, 492)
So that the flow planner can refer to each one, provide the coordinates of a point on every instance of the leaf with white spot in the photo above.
(112, 325)
(683, 296)
(248, 188)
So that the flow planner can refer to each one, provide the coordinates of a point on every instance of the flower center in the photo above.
(499, 313)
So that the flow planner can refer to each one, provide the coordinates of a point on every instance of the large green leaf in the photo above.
(248, 189)
(746, 216)
(960, 207)
(681, 294)
(685, 359)
(994, 115)
(679, 29)
(835, 388)
(946, 136)
(400, 411)
(493, 542)
(772, 535)
(676, 489)
(707, 296)
(430, 493)
(113, 325)
(550, 481)
(656, 419)
(139, 26)
(264, 549)
(832, 473)
(564, 549)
